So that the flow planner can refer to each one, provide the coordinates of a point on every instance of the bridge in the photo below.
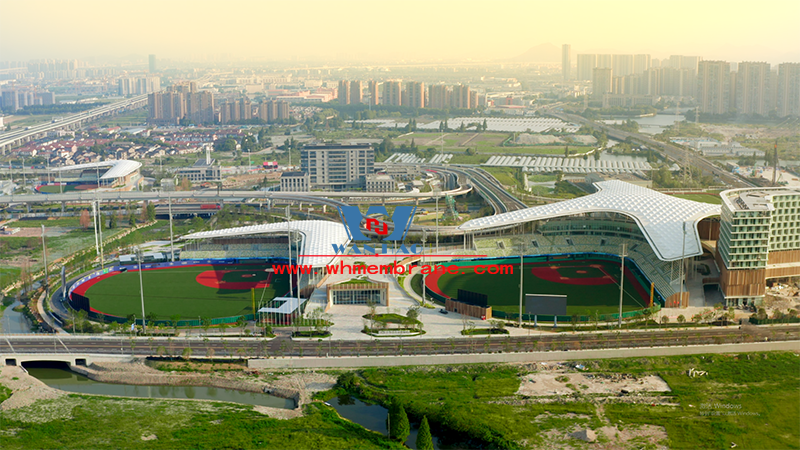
(13, 138)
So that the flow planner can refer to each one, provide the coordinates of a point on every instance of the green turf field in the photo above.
(168, 292)
(503, 289)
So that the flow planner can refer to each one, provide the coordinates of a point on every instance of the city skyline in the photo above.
(733, 31)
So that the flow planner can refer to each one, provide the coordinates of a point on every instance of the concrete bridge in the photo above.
(73, 359)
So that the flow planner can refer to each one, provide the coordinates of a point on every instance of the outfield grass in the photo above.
(175, 291)
(503, 289)
(714, 199)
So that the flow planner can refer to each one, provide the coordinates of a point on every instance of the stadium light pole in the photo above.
(521, 272)
(621, 283)
(171, 238)
(141, 286)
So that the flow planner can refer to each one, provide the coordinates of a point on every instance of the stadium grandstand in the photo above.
(660, 232)
(120, 175)
(311, 246)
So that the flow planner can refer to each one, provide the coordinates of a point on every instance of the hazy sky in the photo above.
(733, 30)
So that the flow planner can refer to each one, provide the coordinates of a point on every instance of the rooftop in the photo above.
(754, 199)
(661, 217)
(318, 237)
(118, 168)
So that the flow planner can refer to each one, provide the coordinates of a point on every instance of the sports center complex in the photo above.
(674, 249)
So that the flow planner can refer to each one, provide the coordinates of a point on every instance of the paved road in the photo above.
(283, 345)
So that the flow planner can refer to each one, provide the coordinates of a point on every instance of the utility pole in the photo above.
(46, 272)
(621, 282)
(171, 238)
(141, 286)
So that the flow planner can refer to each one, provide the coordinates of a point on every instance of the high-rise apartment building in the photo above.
(138, 86)
(460, 97)
(344, 92)
(788, 101)
(372, 87)
(602, 82)
(271, 111)
(605, 61)
(622, 65)
(416, 94)
(713, 78)
(337, 167)
(566, 61)
(152, 63)
(752, 88)
(355, 92)
(641, 63)
(586, 65)
(392, 93)
(438, 96)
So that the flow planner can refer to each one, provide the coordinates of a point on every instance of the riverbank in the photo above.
(299, 386)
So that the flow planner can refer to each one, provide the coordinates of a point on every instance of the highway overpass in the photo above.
(18, 137)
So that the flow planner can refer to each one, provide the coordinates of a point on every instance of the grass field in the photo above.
(503, 289)
(714, 199)
(177, 291)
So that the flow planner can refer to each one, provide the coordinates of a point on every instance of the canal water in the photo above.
(14, 322)
(61, 378)
(372, 417)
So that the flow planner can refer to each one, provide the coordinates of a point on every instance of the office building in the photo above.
(337, 167)
(344, 92)
(713, 78)
(752, 88)
(602, 82)
(295, 182)
(788, 98)
(566, 58)
(152, 61)
(586, 66)
(759, 240)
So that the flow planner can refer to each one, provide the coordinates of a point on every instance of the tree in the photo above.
(424, 438)
(186, 185)
(241, 323)
(151, 212)
(664, 320)
(112, 221)
(681, 319)
(206, 324)
(131, 220)
(174, 321)
(85, 219)
(398, 425)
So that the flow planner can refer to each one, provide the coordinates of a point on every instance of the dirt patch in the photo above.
(565, 383)
(25, 389)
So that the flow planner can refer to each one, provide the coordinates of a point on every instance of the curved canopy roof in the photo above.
(660, 217)
(318, 237)
(119, 168)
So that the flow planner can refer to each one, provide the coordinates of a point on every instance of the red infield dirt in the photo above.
(214, 279)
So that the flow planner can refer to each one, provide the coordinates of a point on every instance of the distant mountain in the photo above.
(540, 53)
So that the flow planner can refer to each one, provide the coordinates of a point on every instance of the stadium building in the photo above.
(759, 240)
(661, 233)
(120, 175)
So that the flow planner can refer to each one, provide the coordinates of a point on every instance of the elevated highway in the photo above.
(75, 121)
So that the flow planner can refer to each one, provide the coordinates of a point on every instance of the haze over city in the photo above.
(381, 31)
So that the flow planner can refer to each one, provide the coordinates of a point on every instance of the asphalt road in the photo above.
(286, 346)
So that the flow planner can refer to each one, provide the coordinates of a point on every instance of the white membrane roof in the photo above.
(119, 168)
(318, 237)
(661, 217)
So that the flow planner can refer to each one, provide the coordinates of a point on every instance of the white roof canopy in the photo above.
(119, 168)
(661, 217)
(318, 237)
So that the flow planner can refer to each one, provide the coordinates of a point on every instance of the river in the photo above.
(12, 322)
(651, 124)
(66, 380)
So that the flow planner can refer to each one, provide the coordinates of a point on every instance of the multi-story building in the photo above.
(586, 66)
(566, 58)
(380, 183)
(602, 82)
(295, 182)
(415, 92)
(392, 93)
(460, 97)
(622, 65)
(713, 78)
(752, 88)
(641, 63)
(181, 101)
(355, 92)
(788, 101)
(438, 96)
(759, 240)
(605, 61)
(372, 87)
(337, 167)
(344, 92)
